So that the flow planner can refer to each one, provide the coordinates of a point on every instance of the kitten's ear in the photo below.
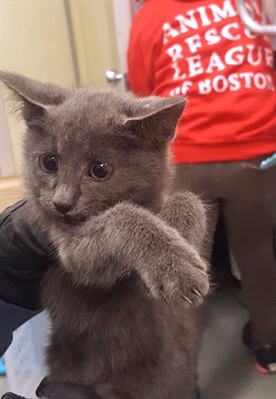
(156, 118)
(35, 96)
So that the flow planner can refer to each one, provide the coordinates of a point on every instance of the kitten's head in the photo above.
(86, 149)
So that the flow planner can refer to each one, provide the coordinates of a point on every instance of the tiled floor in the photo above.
(226, 370)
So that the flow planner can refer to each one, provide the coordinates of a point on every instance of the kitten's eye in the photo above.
(100, 170)
(48, 163)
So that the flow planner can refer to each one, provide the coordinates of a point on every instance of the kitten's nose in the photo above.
(63, 207)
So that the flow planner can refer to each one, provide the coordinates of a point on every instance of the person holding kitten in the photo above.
(201, 49)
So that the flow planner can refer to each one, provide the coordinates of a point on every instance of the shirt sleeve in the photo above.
(138, 78)
(139, 59)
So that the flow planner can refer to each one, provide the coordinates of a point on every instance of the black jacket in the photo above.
(24, 257)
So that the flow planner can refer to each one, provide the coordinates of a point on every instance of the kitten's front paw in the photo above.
(186, 212)
(183, 277)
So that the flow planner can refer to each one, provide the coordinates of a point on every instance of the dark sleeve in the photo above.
(24, 258)
(11, 317)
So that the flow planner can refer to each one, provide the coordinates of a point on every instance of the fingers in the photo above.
(10, 395)
(58, 390)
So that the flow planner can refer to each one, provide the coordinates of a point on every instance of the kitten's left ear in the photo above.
(35, 96)
(156, 118)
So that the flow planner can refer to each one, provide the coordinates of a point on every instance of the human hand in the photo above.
(58, 390)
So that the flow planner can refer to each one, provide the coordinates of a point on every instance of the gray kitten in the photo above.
(122, 297)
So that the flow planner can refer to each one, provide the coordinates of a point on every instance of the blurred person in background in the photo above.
(226, 136)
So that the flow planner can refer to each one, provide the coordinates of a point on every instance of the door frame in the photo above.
(6, 155)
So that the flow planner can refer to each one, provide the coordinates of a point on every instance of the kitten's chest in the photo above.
(107, 329)
(82, 308)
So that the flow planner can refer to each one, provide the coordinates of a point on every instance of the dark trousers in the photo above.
(246, 197)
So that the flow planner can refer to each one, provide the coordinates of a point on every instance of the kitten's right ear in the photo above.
(156, 118)
(35, 96)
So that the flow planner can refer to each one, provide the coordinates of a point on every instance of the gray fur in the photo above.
(128, 250)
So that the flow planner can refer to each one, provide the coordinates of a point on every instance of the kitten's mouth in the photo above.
(67, 218)
(73, 219)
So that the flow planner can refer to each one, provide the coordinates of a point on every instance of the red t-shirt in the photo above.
(201, 49)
